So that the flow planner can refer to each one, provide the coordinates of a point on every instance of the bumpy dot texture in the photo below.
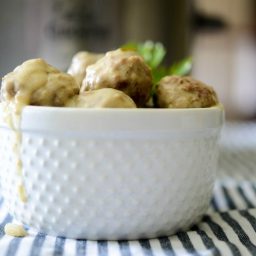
(105, 186)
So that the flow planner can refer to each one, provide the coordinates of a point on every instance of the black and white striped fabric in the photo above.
(228, 228)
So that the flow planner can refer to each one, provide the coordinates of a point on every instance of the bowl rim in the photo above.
(52, 108)
(53, 119)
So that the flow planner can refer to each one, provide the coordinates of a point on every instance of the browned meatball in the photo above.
(121, 70)
(37, 83)
(102, 98)
(80, 62)
(184, 92)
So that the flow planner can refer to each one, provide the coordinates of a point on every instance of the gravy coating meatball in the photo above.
(37, 83)
(102, 98)
(184, 92)
(122, 70)
(80, 62)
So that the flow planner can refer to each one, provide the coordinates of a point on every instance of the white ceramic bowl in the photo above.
(112, 173)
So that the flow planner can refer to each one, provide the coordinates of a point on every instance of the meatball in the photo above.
(122, 70)
(184, 92)
(80, 62)
(102, 98)
(37, 83)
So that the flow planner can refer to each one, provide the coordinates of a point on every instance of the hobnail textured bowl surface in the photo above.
(111, 174)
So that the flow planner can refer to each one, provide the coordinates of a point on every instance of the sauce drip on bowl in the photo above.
(12, 117)
(32, 83)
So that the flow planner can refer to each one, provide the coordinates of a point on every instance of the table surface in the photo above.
(228, 228)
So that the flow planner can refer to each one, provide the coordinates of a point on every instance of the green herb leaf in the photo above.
(131, 46)
(182, 67)
(153, 53)
(159, 73)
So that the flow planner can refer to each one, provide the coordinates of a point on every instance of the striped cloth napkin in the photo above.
(228, 228)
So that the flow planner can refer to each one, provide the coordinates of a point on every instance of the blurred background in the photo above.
(220, 36)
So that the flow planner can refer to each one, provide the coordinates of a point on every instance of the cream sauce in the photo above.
(12, 117)
(16, 230)
(102, 98)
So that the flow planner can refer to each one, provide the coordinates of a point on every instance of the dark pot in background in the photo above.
(56, 29)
